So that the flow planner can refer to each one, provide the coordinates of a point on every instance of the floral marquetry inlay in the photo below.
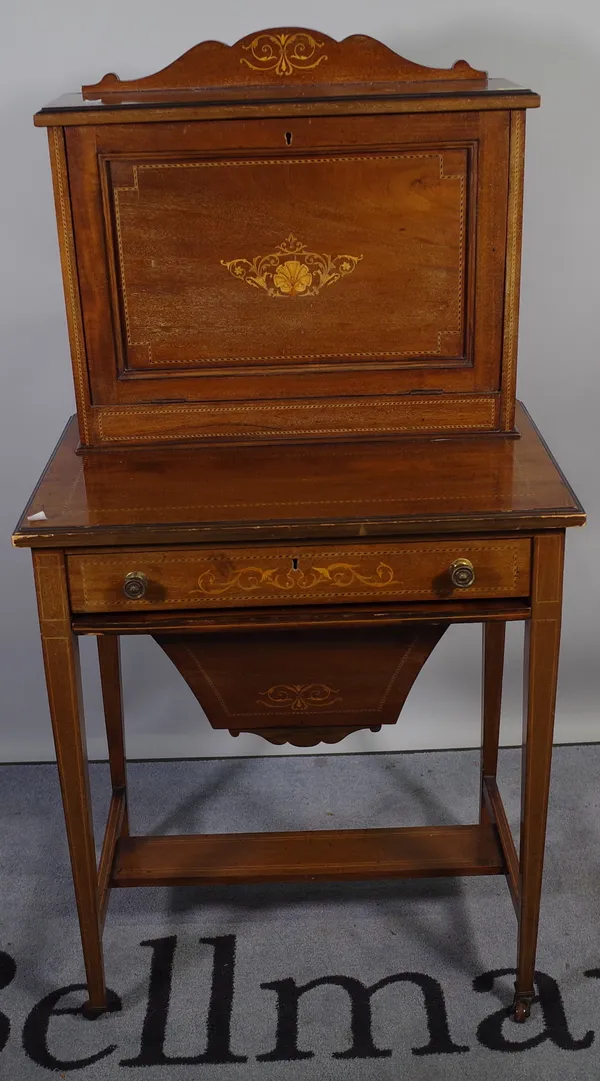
(291, 270)
(248, 579)
(284, 53)
(298, 697)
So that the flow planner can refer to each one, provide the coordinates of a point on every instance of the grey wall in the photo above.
(50, 46)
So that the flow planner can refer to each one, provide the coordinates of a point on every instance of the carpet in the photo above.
(390, 980)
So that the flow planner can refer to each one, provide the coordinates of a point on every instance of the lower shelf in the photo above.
(321, 855)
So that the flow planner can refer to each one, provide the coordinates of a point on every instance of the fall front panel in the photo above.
(345, 270)
(356, 257)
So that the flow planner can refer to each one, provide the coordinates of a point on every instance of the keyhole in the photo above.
(295, 563)
(288, 138)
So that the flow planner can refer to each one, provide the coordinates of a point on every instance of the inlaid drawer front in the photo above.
(235, 577)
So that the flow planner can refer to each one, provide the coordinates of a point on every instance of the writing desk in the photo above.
(322, 575)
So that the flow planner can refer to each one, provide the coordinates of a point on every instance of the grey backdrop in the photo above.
(51, 46)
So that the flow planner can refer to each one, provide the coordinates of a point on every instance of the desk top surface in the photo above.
(297, 491)
(135, 103)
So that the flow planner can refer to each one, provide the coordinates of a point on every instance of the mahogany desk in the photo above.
(275, 566)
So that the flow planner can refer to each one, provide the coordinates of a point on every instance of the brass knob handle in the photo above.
(462, 573)
(135, 585)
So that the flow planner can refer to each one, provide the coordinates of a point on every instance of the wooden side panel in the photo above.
(513, 268)
(64, 221)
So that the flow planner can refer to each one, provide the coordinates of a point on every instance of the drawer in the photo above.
(294, 574)
(305, 686)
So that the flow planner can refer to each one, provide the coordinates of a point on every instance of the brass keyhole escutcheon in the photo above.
(462, 573)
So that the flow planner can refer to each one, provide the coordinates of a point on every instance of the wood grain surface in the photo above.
(290, 54)
(348, 276)
(236, 577)
(352, 491)
(321, 855)
(307, 686)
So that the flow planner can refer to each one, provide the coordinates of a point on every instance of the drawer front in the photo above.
(236, 577)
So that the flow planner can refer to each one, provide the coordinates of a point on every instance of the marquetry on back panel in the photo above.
(290, 238)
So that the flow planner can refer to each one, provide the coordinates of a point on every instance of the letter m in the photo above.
(289, 993)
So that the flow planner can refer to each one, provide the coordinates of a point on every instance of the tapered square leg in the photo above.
(109, 660)
(494, 636)
(542, 640)
(63, 679)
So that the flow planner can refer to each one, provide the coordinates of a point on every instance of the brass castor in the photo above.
(521, 1008)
